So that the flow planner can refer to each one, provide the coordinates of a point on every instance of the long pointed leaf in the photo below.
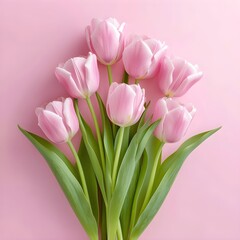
(94, 155)
(68, 182)
(108, 145)
(151, 151)
(125, 175)
(90, 179)
(168, 173)
(127, 206)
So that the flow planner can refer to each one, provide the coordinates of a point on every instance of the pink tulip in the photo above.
(58, 120)
(175, 119)
(79, 76)
(125, 103)
(176, 76)
(142, 56)
(105, 38)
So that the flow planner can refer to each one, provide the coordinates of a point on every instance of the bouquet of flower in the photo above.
(119, 180)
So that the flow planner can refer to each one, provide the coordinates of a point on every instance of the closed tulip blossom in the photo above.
(105, 39)
(141, 57)
(79, 76)
(176, 76)
(58, 120)
(125, 103)
(175, 119)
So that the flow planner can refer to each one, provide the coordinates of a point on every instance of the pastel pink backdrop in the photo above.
(204, 203)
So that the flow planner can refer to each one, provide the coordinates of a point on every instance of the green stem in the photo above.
(152, 178)
(103, 221)
(117, 155)
(119, 231)
(137, 81)
(110, 78)
(134, 211)
(100, 144)
(80, 169)
(114, 129)
(125, 77)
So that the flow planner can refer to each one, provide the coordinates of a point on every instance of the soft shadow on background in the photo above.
(37, 35)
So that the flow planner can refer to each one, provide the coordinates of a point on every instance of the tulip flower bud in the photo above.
(176, 76)
(141, 57)
(125, 103)
(105, 39)
(79, 76)
(175, 119)
(58, 120)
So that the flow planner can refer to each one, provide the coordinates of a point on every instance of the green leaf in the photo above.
(125, 143)
(134, 128)
(132, 131)
(103, 224)
(127, 206)
(145, 139)
(125, 77)
(108, 144)
(123, 181)
(138, 188)
(66, 176)
(149, 156)
(90, 179)
(125, 175)
(168, 172)
(92, 149)
(143, 117)
(107, 131)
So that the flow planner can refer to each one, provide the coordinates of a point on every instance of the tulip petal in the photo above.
(165, 75)
(176, 124)
(138, 106)
(179, 79)
(179, 65)
(38, 110)
(156, 62)
(133, 38)
(154, 45)
(160, 109)
(121, 47)
(121, 27)
(105, 41)
(116, 24)
(92, 74)
(88, 38)
(67, 81)
(53, 127)
(94, 23)
(113, 21)
(158, 49)
(69, 117)
(78, 64)
(113, 86)
(191, 109)
(158, 132)
(171, 104)
(187, 84)
(120, 105)
(182, 69)
(55, 107)
(137, 58)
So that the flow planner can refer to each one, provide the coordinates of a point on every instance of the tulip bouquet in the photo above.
(118, 180)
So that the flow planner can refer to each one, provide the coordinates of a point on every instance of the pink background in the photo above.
(204, 203)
